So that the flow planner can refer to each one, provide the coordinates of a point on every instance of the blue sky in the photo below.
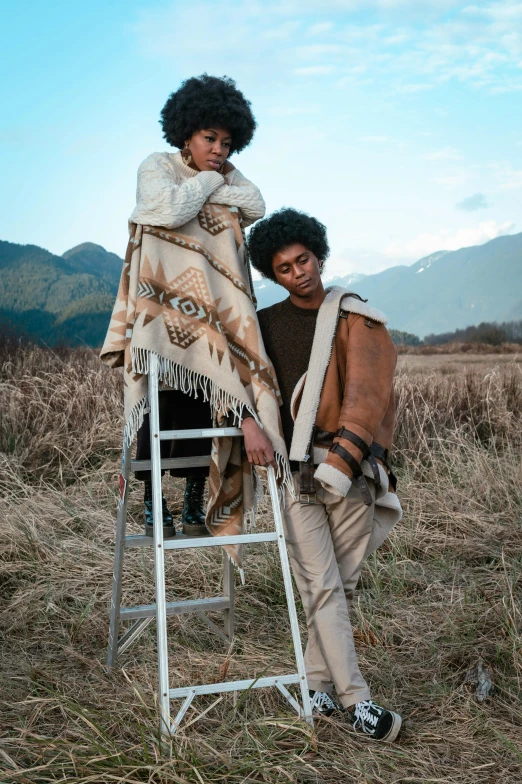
(398, 123)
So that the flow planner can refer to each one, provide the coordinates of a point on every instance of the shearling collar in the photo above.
(336, 299)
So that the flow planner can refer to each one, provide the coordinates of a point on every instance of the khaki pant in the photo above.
(327, 543)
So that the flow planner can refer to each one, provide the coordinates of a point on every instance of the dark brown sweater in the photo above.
(288, 334)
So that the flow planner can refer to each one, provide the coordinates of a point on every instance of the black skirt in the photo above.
(177, 411)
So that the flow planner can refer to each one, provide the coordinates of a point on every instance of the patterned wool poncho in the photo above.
(186, 296)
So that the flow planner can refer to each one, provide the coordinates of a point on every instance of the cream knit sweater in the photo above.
(170, 193)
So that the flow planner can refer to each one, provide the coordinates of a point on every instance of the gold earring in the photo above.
(186, 154)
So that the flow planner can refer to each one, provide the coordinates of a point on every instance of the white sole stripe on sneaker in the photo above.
(394, 729)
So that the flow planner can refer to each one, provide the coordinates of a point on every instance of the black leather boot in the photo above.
(193, 515)
(168, 522)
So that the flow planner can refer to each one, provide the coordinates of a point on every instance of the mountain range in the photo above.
(444, 291)
(69, 298)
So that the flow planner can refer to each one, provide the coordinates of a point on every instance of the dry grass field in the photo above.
(438, 602)
(447, 364)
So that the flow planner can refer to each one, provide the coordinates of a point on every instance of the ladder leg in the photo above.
(228, 591)
(285, 568)
(184, 708)
(159, 553)
(132, 634)
(119, 550)
(288, 697)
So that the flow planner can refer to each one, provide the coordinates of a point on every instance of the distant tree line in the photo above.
(491, 333)
(89, 328)
(44, 328)
(404, 338)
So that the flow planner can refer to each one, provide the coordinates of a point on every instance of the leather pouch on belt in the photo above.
(307, 486)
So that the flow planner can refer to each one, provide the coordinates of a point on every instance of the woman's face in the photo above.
(210, 148)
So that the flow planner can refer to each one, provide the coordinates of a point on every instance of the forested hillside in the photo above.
(58, 299)
(69, 298)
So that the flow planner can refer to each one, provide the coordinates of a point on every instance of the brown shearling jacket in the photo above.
(354, 357)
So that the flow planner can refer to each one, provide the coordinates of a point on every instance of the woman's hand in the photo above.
(258, 446)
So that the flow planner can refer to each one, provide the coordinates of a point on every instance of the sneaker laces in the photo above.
(367, 713)
(322, 700)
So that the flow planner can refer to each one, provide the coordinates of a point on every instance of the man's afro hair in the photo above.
(281, 229)
(203, 102)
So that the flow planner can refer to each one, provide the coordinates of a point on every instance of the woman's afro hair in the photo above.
(203, 102)
(281, 229)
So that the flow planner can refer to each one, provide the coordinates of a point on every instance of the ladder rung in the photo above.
(177, 608)
(208, 432)
(182, 542)
(172, 462)
(251, 683)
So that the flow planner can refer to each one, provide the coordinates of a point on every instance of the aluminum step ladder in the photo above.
(144, 614)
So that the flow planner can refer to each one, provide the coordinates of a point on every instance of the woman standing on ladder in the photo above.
(208, 119)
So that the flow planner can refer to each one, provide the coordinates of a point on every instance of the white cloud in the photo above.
(426, 243)
(396, 38)
(446, 154)
(281, 32)
(320, 27)
(293, 111)
(314, 70)
(499, 11)
(360, 260)
(393, 39)
(508, 178)
(453, 178)
(413, 88)
(312, 50)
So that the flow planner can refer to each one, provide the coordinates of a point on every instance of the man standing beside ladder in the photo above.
(335, 363)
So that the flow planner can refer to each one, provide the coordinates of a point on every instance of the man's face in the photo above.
(297, 269)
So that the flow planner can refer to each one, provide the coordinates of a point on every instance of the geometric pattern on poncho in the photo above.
(189, 313)
(214, 219)
(190, 305)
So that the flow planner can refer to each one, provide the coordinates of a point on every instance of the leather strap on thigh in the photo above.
(382, 454)
(361, 444)
(357, 474)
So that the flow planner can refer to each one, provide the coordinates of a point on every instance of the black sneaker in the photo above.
(323, 704)
(168, 522)
(375, 722)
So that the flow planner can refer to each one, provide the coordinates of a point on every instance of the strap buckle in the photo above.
(307, 499)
